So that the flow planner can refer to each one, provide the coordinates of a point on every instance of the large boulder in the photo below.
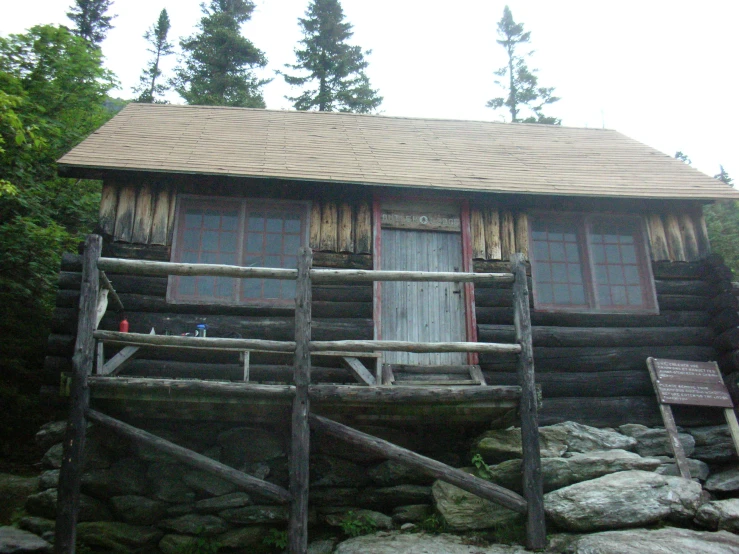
(329, 471)
(642, 541)
(51, 433)
(255, 514)
(369, 517)
(124, 477)
(194, 524)
(656, 441)
(43, 504)
(413, 513)
(720, 514)
(562, 472)
(390, 473)
(225, 502)
(14, 490)
(245, 538)
(713, 444)
(464, 511)
(117, 537)
(698, 470)
(168, 485)
(17, 541)
(399, 495)
(626, 499)
(205, 483)
(138, 510)
(724, 481)
(244, 445)
(420, 543)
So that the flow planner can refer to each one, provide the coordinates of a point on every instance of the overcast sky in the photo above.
(662, 72)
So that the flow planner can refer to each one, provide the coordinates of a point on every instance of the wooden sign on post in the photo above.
(693, 384)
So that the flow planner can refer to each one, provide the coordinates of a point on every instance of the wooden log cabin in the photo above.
(375, 270)
(619, 255)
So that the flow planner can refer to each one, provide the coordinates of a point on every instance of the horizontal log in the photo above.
(601, 384)
(723, 301)
(144, 267)
(495, 266)
(405, 346)
(729, 361)
(154, 252)
(268, 328)
(193, 459)
(137, 284)
(726, 319)
(678, 270)
(60, 345)
(728, 340)
(681, 302)
(139, 339)
(612, 412)
(342, 260)
(502, 316)
(410, 394)
(689, 287)
(71, 262)
(417, 462)
(594, 359)
(356, 292)
(602, 336)
(355, 276)
(107, 386)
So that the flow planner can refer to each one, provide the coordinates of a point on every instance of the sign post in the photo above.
(694, 384)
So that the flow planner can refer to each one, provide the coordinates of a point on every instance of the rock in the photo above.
(177, 544)
(95, 455)
(391, 473)
(166, 482)
(53, 456)
(124, 477)
(720, 514)
(117, 537)
(43, 504)
(713, 444)
(334, 497)
(562, 472)
(464, 511)
(244, 445)
(330, 471)
(642, 541)
(49, 479)
(255, 514)
(244, 537)
(583, 438)
(17, 541)
(138, 510)
(194, 524)
(656, 442)
(322, 547)
(375, 519)
(395, 496)
(698, 470)
(419, 543)
(625, 499)
(413, 513)
(260, 470)
(207, 484)
(14, 490)
(50, 434)
(180, 509)
(724, 481)
(225, 502)
(37, 525)
(408, 527)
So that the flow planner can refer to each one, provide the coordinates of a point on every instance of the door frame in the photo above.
(469, 288)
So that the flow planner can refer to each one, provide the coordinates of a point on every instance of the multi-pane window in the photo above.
(590, 263)
(237, 232)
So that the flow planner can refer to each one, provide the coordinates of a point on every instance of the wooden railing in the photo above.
(94, 266)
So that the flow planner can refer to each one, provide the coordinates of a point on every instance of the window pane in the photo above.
(545, 294)
(272, 261)
(575, 273)
(292, 223)
(557, 251)
(559, 273)
(635, 296)
(212, 220)
(541, 251)
(631, 274)
(604, 295)
(288, 289)
(190, 257)
(599, 254)
(618, 296)
(209, 257)
(273, 244)
(290, 262)
(615, 275)
(578, 294)
(187, 286)
(210, 240)
(251, 288)
(291, 244)
(206, 286)
(193, 219)
(253, 261)
(256, 222)
(225, 287)
(191, 239)
(255, 242)
(274, 223)
(612, 254)
(230, 221)
(228, 242)
(628, 253)
(271, 288)
(561, 294)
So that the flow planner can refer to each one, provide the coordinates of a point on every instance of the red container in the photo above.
(123, 326)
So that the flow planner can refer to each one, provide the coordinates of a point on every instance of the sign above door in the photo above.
(421, 216)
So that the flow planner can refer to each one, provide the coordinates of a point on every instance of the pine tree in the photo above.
(335, 69)
(149, 89)
(724, 177)
(217, 66)
(90, 20)
(523, 84)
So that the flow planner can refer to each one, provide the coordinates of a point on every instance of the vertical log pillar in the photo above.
(300, 445)
(74, 438)
(533, 488)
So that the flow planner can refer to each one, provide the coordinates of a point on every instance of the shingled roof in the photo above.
(392, 151)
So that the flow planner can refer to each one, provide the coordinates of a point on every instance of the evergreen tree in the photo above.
(683, 157)
(218, 61)
(522, 83)
(90, 20)
(149, 89)
(335, 68)
(723, 176)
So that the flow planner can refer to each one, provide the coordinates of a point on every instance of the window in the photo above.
(590, 263)
(237, 232)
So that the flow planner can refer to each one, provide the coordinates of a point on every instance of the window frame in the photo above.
(242, 204)
(584, 222)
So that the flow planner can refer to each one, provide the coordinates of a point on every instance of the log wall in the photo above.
(144, 214)
(676, 237)
(592, 367)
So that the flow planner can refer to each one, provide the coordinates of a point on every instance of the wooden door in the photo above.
(422, 312)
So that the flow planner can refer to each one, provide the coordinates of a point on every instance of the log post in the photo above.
(657, 238)
(74, 439)
(492, 234)
(533, 488)
(300, 446)
(674, 238)
(477, 234)
(315, 226)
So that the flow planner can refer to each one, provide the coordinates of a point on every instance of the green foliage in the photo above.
(683, 157)
(432, 524)
(510, 533)
(722, 221)
(335, 69)
(522, 85)
(52, 94)
(483, 469)
(217, 66)
(355, 526)
(90, 21)
(149, 89)
(200, 545)
(276, 538)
